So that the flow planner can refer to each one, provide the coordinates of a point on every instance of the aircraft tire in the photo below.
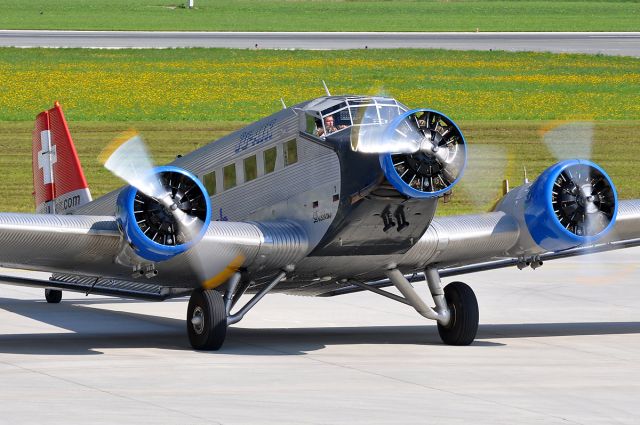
(465, 315)
(53, 296)
(206, 320)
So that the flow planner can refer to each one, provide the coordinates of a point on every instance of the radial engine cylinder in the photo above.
(426, 156)
(161, 227)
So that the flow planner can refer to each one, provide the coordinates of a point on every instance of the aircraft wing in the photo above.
(94, 246)
(458, 241)
(457, 245)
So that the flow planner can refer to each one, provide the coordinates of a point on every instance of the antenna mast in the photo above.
(326, 88)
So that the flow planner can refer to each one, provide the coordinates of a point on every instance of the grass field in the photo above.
(244, 85)
(498, 149)
(181, 99)
(329, 15)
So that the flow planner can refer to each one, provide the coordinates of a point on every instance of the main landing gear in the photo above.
(456, 306)
(464, 315)
(206, 320)
(209, 312)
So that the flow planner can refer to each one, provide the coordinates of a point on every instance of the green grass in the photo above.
(330, 15)
(244, 85)
(498, 150)
(182, 99)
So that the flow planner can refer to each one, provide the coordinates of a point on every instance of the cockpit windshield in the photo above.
(335, 114)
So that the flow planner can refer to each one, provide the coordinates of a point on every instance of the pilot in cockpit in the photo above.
(329, 126)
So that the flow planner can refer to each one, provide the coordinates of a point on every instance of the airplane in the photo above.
(327, 197)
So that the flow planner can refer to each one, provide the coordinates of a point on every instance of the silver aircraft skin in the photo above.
(299, 207)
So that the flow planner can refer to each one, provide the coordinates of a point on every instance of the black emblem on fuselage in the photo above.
(318, 217)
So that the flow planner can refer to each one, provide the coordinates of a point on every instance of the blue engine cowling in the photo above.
(571, 203)
(150, 228)
(425, 174)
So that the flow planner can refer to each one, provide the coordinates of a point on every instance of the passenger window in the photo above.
(209, 181)
(270, 156)
(250, 168)
(290, 152)
(229, 174)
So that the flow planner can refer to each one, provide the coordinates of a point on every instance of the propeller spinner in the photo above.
(422, 152)
(583, 200)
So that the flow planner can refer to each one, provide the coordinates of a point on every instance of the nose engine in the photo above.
(426, 153)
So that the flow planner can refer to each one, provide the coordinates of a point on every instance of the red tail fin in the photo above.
(59, 185)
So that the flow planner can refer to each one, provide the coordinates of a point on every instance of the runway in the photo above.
(558, 345)
(609, 43)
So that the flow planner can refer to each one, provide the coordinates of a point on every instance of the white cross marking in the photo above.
(47, 156)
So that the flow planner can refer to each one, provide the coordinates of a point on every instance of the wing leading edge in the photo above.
(90, 246)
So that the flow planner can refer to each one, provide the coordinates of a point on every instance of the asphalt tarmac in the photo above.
(556, 345)
(608, 43)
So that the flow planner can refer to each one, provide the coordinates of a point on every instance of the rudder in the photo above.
(59, 185)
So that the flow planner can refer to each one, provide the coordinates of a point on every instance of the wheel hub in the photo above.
(197, 320)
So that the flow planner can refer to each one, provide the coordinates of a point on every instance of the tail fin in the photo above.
(59, 185)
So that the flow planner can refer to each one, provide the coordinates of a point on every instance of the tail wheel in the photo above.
(463, 326)
(53, 296)
(206, 320)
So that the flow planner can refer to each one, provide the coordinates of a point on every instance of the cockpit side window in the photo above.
(330, 125)
(334, 119)
(353, 111)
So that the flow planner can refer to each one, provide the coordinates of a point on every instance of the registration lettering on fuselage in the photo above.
(255, 137)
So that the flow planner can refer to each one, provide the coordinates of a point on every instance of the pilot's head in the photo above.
(328, 121)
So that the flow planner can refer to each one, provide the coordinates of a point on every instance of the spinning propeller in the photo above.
(580, 199)
(583, 196)
(583, 200)
(165, 211)
(168, 207)
(423, 153)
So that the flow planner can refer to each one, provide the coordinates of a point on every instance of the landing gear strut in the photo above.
(456, 306)
(53, 296)
(456, 309)
(209, 313)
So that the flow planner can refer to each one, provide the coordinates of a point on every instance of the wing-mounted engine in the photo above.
(426, 153)
(572, 203)
(162, 226)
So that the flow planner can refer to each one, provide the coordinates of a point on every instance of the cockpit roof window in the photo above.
(334, 114)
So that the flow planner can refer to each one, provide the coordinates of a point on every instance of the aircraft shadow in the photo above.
(93, 330)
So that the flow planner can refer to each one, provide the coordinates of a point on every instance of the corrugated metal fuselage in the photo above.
(356, 222)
